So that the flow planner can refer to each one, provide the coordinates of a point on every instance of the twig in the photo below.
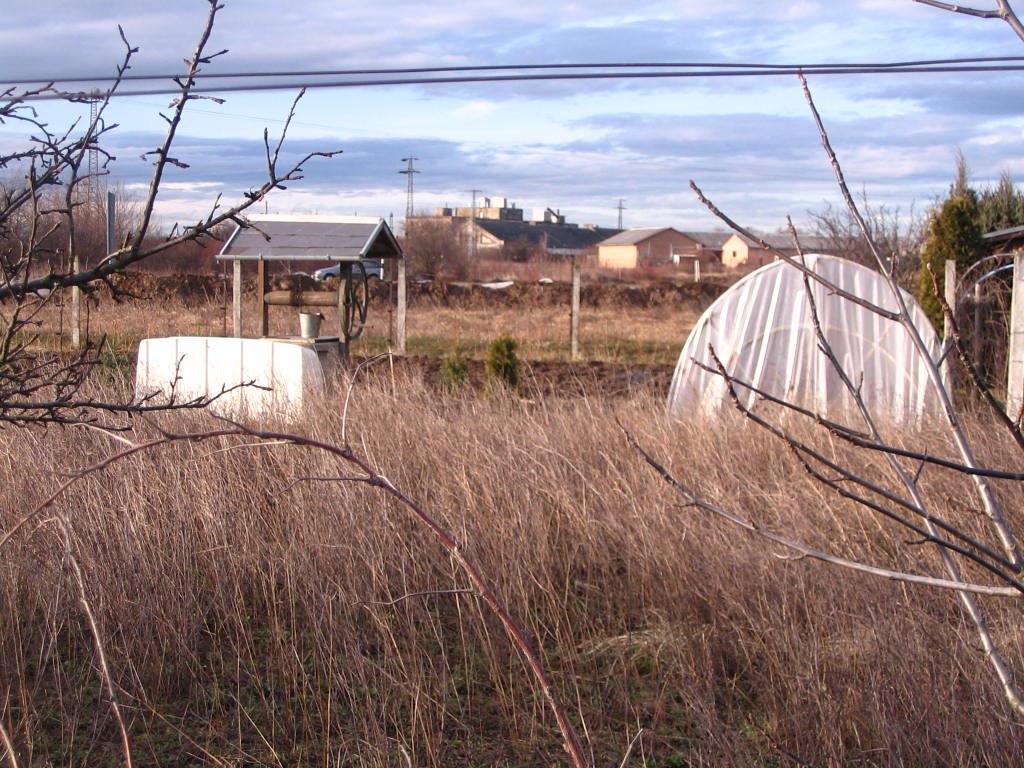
(996, 563)
(796, 263)
(411, 595)
(12, 756)
(968, 362)
(630, 748)
(1004, 12)
(351, 385)
(885, 573)
(995, 514)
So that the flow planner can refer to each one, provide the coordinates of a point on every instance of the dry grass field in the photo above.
(620, 323)
(258, 609)
(257, 606)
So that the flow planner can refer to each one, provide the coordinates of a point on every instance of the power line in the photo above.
(131, 77)
(545, 72)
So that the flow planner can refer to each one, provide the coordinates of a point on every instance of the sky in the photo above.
(575, 146)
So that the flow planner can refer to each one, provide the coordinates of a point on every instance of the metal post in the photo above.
(344, 281)
(574, 311)
(976, 336)
(111, 222)
(400, 309)
(696, 270)
(1015, 367)
(236, 298)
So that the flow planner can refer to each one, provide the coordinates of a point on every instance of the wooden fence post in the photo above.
(574, 311)
(262, 286)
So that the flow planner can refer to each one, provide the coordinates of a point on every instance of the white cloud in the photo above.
(475, 110)
(574, 145)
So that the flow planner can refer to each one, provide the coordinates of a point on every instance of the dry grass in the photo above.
(253, 617)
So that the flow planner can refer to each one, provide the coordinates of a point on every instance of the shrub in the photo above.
(502, 364)
(954, 233)
(454, 371)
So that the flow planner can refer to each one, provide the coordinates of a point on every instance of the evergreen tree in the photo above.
(1001, 206)
(953, 233)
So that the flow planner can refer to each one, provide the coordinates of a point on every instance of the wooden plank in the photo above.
(263, 283)
(301, 298)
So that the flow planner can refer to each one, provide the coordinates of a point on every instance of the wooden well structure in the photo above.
(346, 241)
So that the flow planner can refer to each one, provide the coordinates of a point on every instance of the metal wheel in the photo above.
(356, 302)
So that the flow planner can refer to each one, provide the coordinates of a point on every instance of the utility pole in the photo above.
(621, 208)
(409, 171)
(472, 228)
(92, 208)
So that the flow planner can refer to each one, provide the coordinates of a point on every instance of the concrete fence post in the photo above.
(1015, 363)
(400, 309)
(236, 298)
(949, 295)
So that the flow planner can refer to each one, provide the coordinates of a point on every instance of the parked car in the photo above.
(373, 267)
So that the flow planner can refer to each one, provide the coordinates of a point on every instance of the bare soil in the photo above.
(551, 378)
(195, 289)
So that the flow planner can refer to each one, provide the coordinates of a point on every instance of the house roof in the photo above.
(713, 240)
(1003, 234)
(312, 238)
(634, 236)
(784, 242)
(1004, 237)
(554, 237)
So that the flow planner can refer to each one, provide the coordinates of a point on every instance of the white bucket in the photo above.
(309, 324)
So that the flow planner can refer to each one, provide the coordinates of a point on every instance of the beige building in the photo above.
(739, 251)
(498, 229)
(654, 247)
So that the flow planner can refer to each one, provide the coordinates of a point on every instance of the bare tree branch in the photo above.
(984, 490)
(695, 501)
(1003, 11)
(41, 220)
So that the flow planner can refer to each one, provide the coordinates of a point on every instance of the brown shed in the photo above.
(652, 247)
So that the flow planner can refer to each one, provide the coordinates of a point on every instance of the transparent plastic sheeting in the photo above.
(285, 374)
(762, 330)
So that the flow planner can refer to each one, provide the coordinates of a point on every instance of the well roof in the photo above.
(271, 237)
